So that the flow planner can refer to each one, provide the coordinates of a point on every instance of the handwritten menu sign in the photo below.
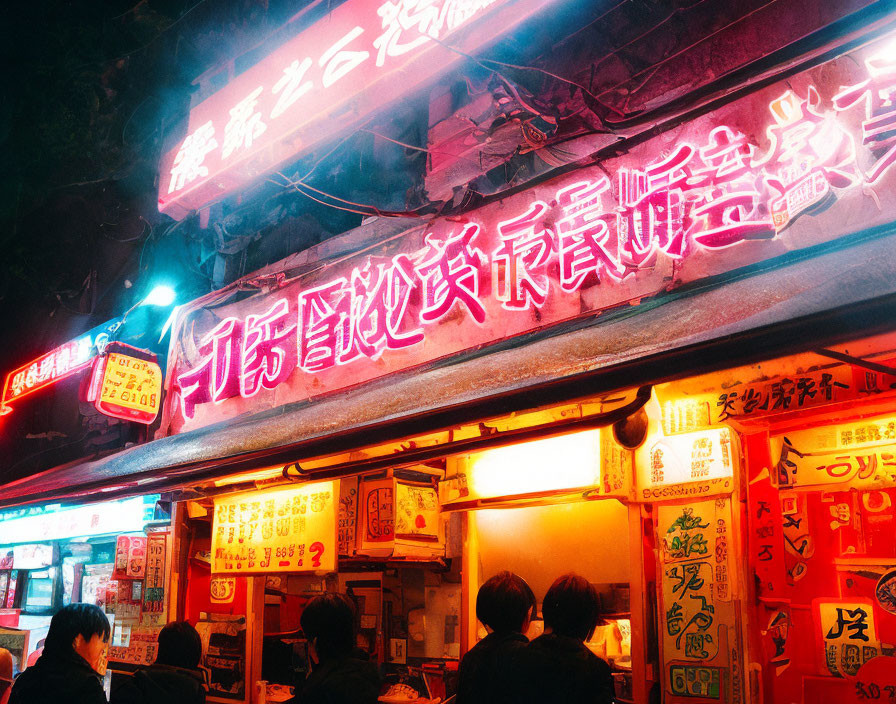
(846, 635)
(154, 582)
(281, 530)
(698, 604)
(128, 388)
(377, 516)
(130, 557)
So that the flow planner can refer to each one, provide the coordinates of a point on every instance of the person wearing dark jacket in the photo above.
(337, 676)
(74, 656)
(504, 605)
(174, 677)
(557, 667)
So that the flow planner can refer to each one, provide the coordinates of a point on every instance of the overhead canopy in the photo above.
(815, 297)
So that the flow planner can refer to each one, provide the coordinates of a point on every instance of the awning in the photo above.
(819, 296)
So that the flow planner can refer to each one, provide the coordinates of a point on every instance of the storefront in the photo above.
(113, 554)
(668, 370)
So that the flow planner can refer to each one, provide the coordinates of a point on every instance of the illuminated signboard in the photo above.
(701, 456)
(281, 530)
(126, 387)
(362, 56)
(72, 357)
(861, 454)
(784, 168)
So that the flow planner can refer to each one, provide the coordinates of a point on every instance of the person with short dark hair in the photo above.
(174, 677)
(337, 675)
(74, 659)
(557, 667)
(504, 605)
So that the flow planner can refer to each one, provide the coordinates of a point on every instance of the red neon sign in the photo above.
(563, 249)
(46, 370)
(362, 56)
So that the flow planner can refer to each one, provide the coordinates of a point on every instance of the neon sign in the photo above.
(362, 56)
(562, 249)
(62, 362)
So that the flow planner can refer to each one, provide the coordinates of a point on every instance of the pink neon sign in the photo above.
(362, 56)
(565, 248)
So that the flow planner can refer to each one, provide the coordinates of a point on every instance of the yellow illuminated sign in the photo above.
(281, 530)
(130, 388)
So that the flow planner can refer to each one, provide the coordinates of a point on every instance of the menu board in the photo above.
(280, 530)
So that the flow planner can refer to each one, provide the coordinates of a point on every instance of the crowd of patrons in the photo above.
(556, 667)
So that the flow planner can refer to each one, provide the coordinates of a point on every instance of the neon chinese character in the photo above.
(451, 274)
(382, 295)
(584, 235)
(189, 162)
(337, 61)
(326, 336)
(401, 16)
(268, 354)
(731, 218)
(292, 85)
(18, 383)
(217, 376)
(879, 95)
(519, 263)
(726, 157)
(245, 125)
(652, 208)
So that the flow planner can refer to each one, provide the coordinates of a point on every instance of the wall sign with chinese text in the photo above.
(703, 457)
(745, 401)
(154, 581)
(698, 600)
(282, 530)
(846, 635)
(123, 386)
(782, 169)
(862, 454)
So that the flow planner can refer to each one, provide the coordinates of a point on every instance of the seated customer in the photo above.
(557, 667)
(173, 678)
(73, 658)
(337, 675)
(504, 606)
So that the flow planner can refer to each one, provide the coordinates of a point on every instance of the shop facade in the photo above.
(667, 370)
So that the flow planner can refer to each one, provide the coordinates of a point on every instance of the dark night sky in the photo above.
(88, 93)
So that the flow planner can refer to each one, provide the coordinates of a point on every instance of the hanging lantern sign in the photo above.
(127, 387)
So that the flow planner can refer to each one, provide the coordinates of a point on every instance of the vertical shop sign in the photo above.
(154, 582)
(348, 515)
(846, 635)
(281, 530)
(616, 465)
(766, 540)
(698, 600)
